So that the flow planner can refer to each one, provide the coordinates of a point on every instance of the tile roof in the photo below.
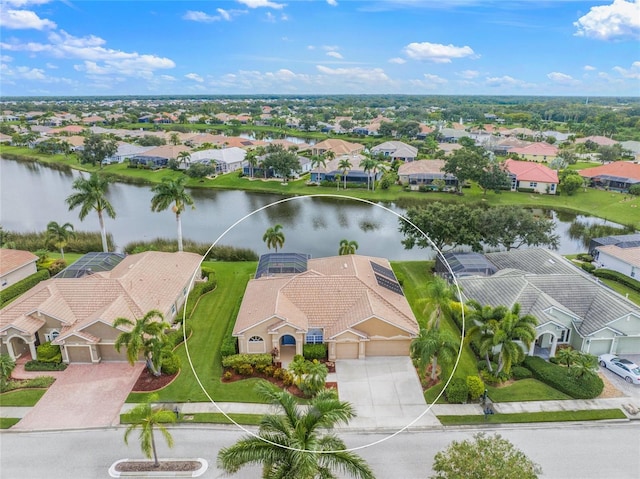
(539, 148)
(530, 171)
(628, 255)
(600, 140)
(421, 166)
(339, 147)
(623, 169)
(12, 259)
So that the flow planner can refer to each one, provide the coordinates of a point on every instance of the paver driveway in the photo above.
(85, 395)
(385, 392)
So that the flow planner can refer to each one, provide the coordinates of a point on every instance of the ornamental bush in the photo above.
(314, 351)
(519, 372)
(559, 377)
(619, 277)
(170, 363)
(244, 369)
(475, 385)
(40, 366)
(588, 267)
(252, 360)
(49, 353)
(457, 392)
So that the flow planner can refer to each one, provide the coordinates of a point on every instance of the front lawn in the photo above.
(21, 397)
(209, 321)
(525, 390)
(7, 422)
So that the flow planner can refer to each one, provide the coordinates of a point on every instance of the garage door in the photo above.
(599, 347)
(387, 348)
(347, 350)
(628, 346)
(79, 354)
(109, 353)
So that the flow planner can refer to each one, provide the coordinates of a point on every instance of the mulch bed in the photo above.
(142, 466)
(294, 390)
(147, 382)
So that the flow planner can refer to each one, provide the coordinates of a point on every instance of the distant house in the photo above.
(224, 159)
(355, 174)
(451, 135)
(76, 311)
(620, 259)
(396, 150)
(539, 151)
(16, 265)
(423, 173)
(616, 176)
(532, 176)
(159, 156)
(353, 304)
(337, 147)
(126, 151)
(623, 241)
(598, 140)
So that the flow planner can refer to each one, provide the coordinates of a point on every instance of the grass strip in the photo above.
(7, 422)
(210, 418)
(21, 397)
(529, 417)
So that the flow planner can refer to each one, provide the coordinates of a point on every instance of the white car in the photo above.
(629, 370)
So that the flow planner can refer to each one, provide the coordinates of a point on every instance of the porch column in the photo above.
(32, 349)
(532, 347)
(554, 345)
(361, 353)
(12, 355)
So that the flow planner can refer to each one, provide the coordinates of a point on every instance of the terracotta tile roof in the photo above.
(12, 259)
(599, 140)
(421, 166)
(628, 255)
(335, 293)
(530, 171)
(339, 147)
(539, 148)
(623, 169)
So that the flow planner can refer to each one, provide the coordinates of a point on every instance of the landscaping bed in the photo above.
(147, 382)
(166, 468)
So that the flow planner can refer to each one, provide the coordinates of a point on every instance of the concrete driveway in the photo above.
(385, 392)
(629, 390)
(84, 396)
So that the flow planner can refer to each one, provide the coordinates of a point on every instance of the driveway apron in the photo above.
(85, 395)
(385, 392)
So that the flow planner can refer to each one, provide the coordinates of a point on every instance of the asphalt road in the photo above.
(581, 451)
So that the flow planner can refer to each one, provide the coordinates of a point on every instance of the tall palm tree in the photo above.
(440, 295)
(91, 195)
(59, 235)
(294, 444)
(345, 166)
(377, 165)
(184, 157)
(148, 418)
(347, 247)
(367, 164)
(274, 237)
(168, 192)
(252, 160)
(317, 161)
(432, 345)
(174, 139)
(146, 336)
(511, 330)
(484, 323)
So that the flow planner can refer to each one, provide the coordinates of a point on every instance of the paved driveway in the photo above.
(85, 395)
(630, 390)
(385, 392)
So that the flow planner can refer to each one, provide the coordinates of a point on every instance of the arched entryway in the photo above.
(544, 346)
(287, 349)
(18, 347)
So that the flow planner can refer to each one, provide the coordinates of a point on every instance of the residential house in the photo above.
(623, 241)
(258, 172)
(76, 308)
(616, 176)
(396, 150)
(571, 306)
(422, 173)
(5, 138)
(337, 147)
(625, 260)
(633, 147)
(352, 303)
(159, 156)
(598, 140)
(355, 174)
(126, 151)
(539, 151)
(225, 159)
(451, 135)
(532, 176)
(16, 265)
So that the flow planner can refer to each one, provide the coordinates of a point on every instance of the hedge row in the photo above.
(618, 277)
(314, 351)
(588, 386)
(235, 360)
(11, 292)
(198, 290)
(44, 366)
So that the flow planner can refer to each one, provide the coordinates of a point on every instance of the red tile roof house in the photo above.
(352, 303)
(16, 265)
(526, 174)
(77, 313)
(616, 176)
(536, 152)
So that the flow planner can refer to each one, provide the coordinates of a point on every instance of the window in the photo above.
(173, 309)
(533, 184)
(315, 336)
(50, 336)
(564, 336)
(255, 339)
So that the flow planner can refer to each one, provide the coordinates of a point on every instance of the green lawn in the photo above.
(623, 290)
(525, 390)
(210, 418)
(210, 318)
(7, 422)
(527, 417)
(21, 397)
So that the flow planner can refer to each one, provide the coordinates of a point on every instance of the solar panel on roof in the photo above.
(388, 284)
(382, 270)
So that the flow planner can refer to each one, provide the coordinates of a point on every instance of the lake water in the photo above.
(32, 195)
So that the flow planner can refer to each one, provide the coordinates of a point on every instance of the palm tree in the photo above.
(91, 195)
(347, 247)
(146, 336)
(174, 139)
(252, 160)
(377, 165)
(513, 329)
(440, 294)
(274, 237)
(172, 191)
(59, 235)
(367, 164)
(292, 444)
(184, 157)
(567, 356)
(431, 345)
(147, 418)
(584, 364)
(484, 320)
(317, 161)
(344, 165)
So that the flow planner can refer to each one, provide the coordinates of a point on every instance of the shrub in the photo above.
(619, 277)
(279, 373)
(42, 366)
(457, 392)
(287, 378)
(229, 346)
(244, 369)
(519, 372)
(314, 351)
(15, 290)
(482, 365)
(39, 382)
(635, 189)
(585, 257)
(588, 386)
(170, 363)
(269, 370)
(475, 386)
(49, 353)
(251, 359)
(227, 375)
(493, 378)
(176, 337)
(588, 267)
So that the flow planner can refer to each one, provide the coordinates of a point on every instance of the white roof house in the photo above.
(226, 159)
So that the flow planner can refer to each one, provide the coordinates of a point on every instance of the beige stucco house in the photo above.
(352, 303)
(77, 312)
(16, 265)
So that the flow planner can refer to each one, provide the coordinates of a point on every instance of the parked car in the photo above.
(629, 370)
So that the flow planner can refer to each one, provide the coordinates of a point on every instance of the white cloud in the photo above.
(224, 14)
(633, 72)
(333, 3)
(194, 77)
(619, 20)
(436, 52)
(270, 17)
(23, 20)
(435, 79)
(505, 81)
(589, 68)
(6, 58)
(262, 3)
(51, 66)
(24, 3)
(311, 47)
(363, 74)
(562, 78)
(335, 55)
(468, 74)
(167, 77)
(397, 60)
(31, 73)
(201, 17)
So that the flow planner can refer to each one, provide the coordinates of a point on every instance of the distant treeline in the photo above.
(217, 253)
(84, 242)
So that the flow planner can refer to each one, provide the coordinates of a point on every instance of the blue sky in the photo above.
(490, 47)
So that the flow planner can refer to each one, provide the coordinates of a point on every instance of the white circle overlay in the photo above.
(357, 448)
